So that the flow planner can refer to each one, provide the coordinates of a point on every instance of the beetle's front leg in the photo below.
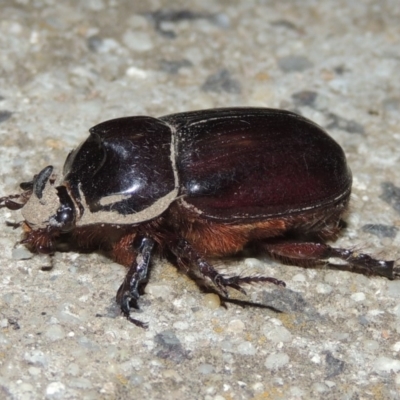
(10, 203)
(186, 253)
(128, 293)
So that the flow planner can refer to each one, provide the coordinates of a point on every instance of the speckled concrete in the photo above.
(65, 66)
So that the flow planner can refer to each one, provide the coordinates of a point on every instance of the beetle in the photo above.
(196, 185)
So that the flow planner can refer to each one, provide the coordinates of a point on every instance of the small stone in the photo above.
(334, 366)
(206, 369)
(381, 230)
(276, 360)
(138, 41)
(211, 301)
(371, 345)
(81, 383)
(34, 371)
(253, 263)
(55, 389)
(55, 332)
(226, 345)
(358, 296)
(396, 347)
(338, 122)
(136, 380)
(21, 253)
(26, 387)
(391, 104)
(386, 365)
(222, 81)
(277, 334)
(296, 392)
(393, 288)
(36, 357)
(137, 73)
(95, 5)
(246, 348)
(172, 374)
(330, 384)
(5, 115)
(323, 288)
(294, 63)
(3, 339)
(73, 369)
(181, 325)
(319, 387)
(173, 66)
(396, 311)
(299, 278)
(236, 326)
(258, 387)
(169, 346)
(304, 98)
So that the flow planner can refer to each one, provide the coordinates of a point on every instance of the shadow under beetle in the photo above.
(196, 185)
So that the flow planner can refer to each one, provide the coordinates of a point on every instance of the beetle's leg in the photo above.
(321, 251)
(8, 202)
(184, 251)
(128, 293)
(14, 225)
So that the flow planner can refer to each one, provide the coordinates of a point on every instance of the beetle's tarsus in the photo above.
(314, 252)
(256, 279)
(364, 261)
(126, 306)
(127, 301)
(235, 281)
(128, 293)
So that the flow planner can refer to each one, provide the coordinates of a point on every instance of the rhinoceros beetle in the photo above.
(196, 185)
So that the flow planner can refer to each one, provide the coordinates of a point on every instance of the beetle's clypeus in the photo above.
(196, 185)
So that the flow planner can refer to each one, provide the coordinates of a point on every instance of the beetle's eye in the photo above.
(65, 216)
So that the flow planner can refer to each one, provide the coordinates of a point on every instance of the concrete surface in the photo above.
(67, 65)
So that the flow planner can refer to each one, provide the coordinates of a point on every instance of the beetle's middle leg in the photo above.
(317, 252)
(187, 254)
(128, 293)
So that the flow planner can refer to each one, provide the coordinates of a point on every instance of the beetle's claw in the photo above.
(235, 281)
(137, 322)
(238, 288)
(126, 305)
(223, 283)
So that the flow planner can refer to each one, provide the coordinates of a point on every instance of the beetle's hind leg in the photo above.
(301, 252)
(186, 254)
(128, 293)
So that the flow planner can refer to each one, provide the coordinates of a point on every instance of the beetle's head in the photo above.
(49, 207)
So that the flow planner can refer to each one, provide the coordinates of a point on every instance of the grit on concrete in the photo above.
(68, 65)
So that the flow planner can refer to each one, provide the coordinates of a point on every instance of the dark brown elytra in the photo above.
(196, 185)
